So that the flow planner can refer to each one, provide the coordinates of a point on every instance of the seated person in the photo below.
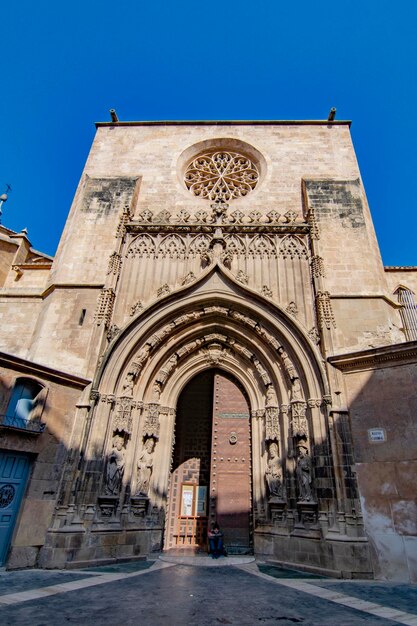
(215, 537)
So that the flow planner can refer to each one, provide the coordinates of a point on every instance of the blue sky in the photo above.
(66, 64)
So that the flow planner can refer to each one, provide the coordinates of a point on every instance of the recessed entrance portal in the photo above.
(211, 471)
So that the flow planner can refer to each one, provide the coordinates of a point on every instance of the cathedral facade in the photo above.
(216, 339)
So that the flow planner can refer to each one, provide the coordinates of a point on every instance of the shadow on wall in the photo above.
(383, 405)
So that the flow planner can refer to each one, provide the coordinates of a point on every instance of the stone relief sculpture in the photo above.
(273, 473)
(296, 390)
(145, 467)
(127, 387)
(115, 467)
(304, 474)
(288, 364)
(271, 396)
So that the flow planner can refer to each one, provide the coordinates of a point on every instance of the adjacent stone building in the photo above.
(216, 339)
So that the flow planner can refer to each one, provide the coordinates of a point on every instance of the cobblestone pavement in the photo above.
(187, 595)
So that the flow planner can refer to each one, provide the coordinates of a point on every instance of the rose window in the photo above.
(221, 175)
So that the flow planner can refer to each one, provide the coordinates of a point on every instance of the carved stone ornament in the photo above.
(299, 427)
(272, 431)
(266, 291)
(221, 174)
(151, 425)
(292, 309)
(290, 216)
(317, 266)
(163, 291)
(241, 277)
(146, 216)
(325, 310)
(107, 505)
(314, 335)
(123, 416)
(113, 331)
(123, 220)
(114, 264)
(188, 279)
(104, 309)
(136, 308)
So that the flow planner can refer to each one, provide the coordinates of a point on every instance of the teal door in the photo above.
(14, 471)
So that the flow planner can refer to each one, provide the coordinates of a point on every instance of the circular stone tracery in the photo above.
(221, 175)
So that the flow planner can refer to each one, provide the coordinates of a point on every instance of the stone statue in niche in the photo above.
(156, 391)
(115, 467)
(296, 390)
(127, 387)
(145, 467)
(271, 396)
(304, 474)
(273, 473)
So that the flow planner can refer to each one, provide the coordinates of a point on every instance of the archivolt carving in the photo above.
(142, 246)
(293, 248)
(172, 247)
(221, 174)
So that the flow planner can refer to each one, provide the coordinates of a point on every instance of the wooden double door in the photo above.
(211, 477)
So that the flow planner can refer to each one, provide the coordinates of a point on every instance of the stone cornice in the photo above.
(228, 123)
(147, 227)
(400, 268)
(42, 371)
(376, 358)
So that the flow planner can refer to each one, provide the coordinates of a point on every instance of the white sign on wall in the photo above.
(377, 435)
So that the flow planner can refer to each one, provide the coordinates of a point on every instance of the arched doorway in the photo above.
(211, 470)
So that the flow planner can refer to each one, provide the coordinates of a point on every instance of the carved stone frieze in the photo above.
(146, 216)
(290, 216)
(258, 413)
(292, 247)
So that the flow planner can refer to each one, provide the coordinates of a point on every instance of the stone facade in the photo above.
(239, 251)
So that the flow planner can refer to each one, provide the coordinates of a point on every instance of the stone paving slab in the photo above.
(187, 596)
(24, 580)
(396, 596)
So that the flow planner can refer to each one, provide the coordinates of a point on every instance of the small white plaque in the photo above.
(377, 435)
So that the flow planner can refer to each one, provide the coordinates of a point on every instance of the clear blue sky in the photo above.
(65, 64)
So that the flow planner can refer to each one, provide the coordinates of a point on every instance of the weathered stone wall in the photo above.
(382, 396)
(48, 452)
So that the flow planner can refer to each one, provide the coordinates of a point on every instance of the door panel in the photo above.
(14, 470)
(230, 491)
